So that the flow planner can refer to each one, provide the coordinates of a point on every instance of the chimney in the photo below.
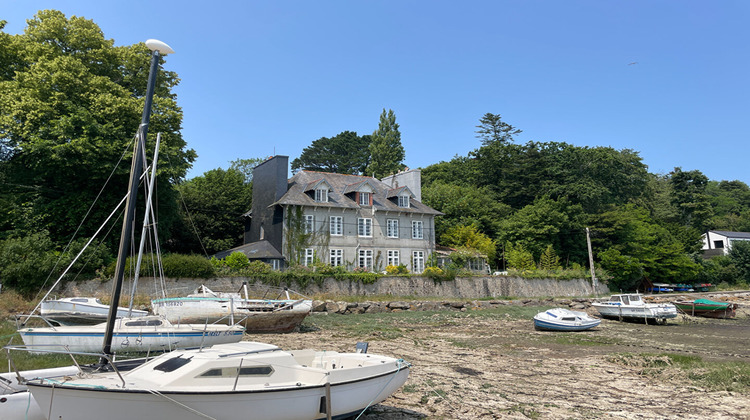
(411, 178)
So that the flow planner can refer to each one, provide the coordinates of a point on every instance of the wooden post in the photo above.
(591, 262)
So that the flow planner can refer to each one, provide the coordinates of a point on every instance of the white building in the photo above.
(719, 242)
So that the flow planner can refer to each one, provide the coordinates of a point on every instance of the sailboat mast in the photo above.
(157, 47)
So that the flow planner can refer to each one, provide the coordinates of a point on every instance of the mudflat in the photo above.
(488, 364)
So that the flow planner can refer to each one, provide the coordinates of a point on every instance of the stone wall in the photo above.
(415, 287)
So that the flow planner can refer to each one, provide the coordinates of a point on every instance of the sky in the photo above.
(668, 79)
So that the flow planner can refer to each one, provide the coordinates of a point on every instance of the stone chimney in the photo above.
(411, 178)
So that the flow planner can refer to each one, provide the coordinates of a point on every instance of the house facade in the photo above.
(342, 220)
(719, 242)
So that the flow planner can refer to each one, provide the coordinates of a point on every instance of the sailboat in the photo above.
(261, 314)
(225, 381)
(134, 332)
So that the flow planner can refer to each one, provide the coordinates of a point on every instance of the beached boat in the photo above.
(262, 314)
(228, 381)
(632, 307)
(707, 308)
(82, 311)
(561, 319)
(143, 334)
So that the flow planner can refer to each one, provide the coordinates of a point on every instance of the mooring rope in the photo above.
(400, 362)
(192, 410)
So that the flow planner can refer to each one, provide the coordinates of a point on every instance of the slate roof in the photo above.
(254, 251)
(341, 185)
(728, 234)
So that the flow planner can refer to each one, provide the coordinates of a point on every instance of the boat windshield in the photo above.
(615, 298)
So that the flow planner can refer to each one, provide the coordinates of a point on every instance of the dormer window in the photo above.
(364, 199)
(321, 195)
(403, 201)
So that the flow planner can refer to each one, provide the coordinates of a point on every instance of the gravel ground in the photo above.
(488, 367)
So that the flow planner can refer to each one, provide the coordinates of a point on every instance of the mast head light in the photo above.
(156, 45)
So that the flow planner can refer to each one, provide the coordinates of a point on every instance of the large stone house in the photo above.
(341, 220)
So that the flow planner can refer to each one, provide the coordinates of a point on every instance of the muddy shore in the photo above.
(486, 367)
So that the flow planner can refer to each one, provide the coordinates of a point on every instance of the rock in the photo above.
(399, 305)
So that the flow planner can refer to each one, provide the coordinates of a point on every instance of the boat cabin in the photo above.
(626, 299)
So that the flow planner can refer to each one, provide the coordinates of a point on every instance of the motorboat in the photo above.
(631, 306)
(707, 308)
(228, 381)
(82, 311)
(143, 334)
(258, 315)
(561, 319)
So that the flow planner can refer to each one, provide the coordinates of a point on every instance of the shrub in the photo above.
(396, 269)
(237, 261)
(26, 263)
(433, 272)
(255, 268)
(175, 265)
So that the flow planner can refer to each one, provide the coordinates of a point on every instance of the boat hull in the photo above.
(719, 310)
(648, 311)
(82, 311)
(257, 316)
(130, 339)
(560, 326)
(282, 403)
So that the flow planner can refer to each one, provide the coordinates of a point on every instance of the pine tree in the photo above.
(386, 152)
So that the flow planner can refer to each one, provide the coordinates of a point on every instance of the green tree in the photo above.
(70, 103)
(345, 153)
(467, 236)
(740, 257)
(518, 257)
(246, 166)
(464, 205)
(492, 128)
(549, 259)
(386, 151)
(213, 206)
(690, 199)
(634, 247)
(547, 222)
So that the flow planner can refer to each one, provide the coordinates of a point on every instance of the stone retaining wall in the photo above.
(414, 287)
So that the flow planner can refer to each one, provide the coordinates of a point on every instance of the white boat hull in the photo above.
(89, 338)
(647, 311)
(82, 311)
(255, 315)
(284, 404)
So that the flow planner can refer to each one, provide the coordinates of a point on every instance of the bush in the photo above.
(396, 269)
(175, 266)
(237, 260)
(255, 268)
(434, 273)
(26, 263)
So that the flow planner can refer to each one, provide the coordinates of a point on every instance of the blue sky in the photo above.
(269, 77)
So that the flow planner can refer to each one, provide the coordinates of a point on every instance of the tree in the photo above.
(468, 237)
(492, 128)
(386, 151)
(740, 257)
(463, 205)
(246, 166)
(549, 259)
(518, 257)
(70, 103)
(634, 247)
(690, 199)
(213, 205)
(345, 153)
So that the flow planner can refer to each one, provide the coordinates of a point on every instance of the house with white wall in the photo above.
(719, 242)
(342, 220)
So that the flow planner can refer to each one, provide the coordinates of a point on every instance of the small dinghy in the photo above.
(560, 319)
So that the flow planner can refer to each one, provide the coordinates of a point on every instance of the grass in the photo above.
(713, 375)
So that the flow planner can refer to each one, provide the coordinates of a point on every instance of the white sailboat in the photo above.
(82, 310)
(226, 381)
(259, 314)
